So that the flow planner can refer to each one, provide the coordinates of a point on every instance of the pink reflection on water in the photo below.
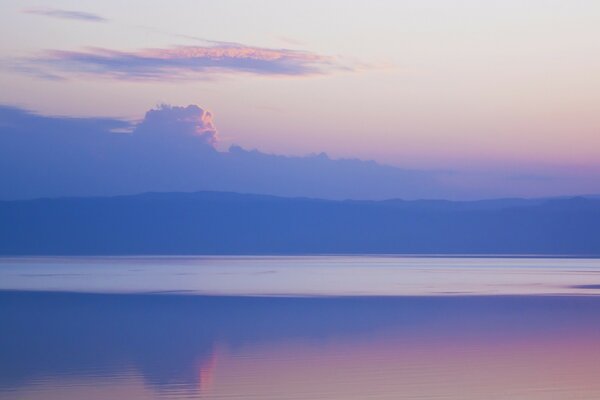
(557, 366)
(206, 372)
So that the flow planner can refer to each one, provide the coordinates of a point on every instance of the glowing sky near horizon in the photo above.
(464, 84)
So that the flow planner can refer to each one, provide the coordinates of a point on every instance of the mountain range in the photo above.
(232, 223)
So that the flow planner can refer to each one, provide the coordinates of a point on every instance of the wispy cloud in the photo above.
(65, 14)
(183, 62)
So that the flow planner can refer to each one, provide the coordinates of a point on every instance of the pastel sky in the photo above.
(496, 86)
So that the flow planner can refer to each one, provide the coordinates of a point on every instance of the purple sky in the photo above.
(487, 99)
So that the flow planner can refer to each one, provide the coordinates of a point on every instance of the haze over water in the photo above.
(338, 328)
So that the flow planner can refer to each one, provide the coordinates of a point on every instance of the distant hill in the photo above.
(230, 223)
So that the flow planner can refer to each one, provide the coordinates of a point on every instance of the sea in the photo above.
(300, 327)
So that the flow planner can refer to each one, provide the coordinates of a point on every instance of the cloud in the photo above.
(65, 14)
(182, 62)
(190, 120)
(172, 149)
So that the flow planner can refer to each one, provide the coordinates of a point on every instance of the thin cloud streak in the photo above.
(181, 62)
(65, 14)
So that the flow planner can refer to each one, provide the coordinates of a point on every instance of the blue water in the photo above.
(299, 328)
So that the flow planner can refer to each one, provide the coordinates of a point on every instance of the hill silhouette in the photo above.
(232, 223)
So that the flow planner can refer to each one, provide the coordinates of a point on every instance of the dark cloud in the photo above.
(172, 149)
(65, 14)
(183, 62)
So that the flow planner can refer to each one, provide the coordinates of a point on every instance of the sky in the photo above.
(504, 95)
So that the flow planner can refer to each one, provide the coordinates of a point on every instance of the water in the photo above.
(299, 328)
(304, 276)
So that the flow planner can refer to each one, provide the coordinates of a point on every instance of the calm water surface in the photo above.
(299, 328)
